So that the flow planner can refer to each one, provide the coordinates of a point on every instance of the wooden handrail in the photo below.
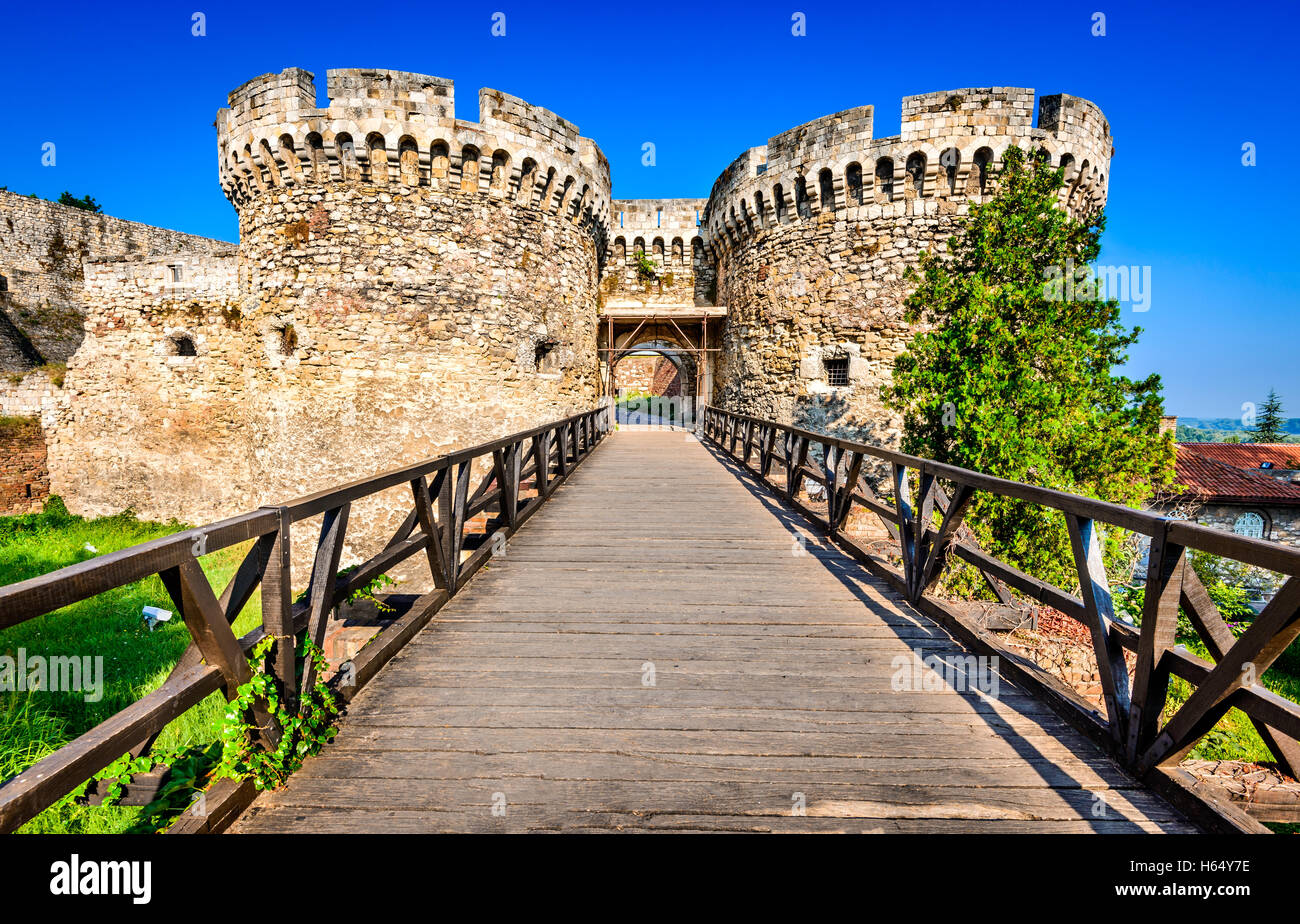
(442, 507)
(1133, 709)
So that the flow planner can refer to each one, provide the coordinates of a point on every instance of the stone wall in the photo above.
(24, 477)
(1281, 524)
(667, 231)
(406, 283)
(42, 247)
(813, 232)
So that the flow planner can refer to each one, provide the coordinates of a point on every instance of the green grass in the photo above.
(1234, 737)
(111, 626)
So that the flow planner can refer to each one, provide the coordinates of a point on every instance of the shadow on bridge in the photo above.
(851, 575)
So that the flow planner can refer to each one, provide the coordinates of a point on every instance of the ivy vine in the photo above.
(238, 752)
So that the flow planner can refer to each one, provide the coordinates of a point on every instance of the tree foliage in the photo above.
(1269, 427)
(1012, 371)
(85, 203)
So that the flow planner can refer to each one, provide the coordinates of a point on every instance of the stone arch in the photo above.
(582, 209)
(439, 162)
(408, 161)
(347, 157)
(269, 163)
(950, 163)
(802, 207)
(679, 251)
(469, 168)
(980, 163)
(499, 184)
(915, 175)
(884, 180)
(853, 183)
(778, 202)
(620, 250)
(253, 168)
(826, 189)
(527, 182)
(289, 155)
(320, 165)
(638, 247)
(377, 158)
(566, 195)
(547, 202)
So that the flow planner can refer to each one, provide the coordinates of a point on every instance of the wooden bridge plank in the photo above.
(773, 674)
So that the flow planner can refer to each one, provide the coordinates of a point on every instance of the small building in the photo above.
(1252, 489)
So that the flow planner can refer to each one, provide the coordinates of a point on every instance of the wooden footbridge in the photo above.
(670, 639)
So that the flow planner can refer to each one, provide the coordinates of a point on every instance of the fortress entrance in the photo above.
(657, 366)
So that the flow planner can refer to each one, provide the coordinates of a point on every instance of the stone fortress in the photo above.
(407, 282)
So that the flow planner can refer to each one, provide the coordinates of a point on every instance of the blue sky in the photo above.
(128, 95)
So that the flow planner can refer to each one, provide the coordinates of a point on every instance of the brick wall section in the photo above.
(657, 375)
(42, 247)
(24, 476)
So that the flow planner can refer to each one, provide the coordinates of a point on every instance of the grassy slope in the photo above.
(136, 661)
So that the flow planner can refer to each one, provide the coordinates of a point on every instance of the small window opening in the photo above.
(544, 355)
(1266, 465)
(287, 340)
(837, 371)
(183, 345)
(177, 272)
(659, 218)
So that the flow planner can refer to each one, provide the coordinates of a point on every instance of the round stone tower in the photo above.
(405, 283)
(812, 234)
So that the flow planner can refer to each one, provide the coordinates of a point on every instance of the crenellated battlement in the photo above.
(949, 142)
(398, 129)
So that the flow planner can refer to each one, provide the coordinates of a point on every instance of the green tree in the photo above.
(1011, 372)
(1268, 427)
(85, 202)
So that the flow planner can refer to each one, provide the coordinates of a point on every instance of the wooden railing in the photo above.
(438, 526)
(925, 520)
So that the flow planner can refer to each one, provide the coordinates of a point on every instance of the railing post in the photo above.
(277, 611)
(906, 530)
(1094, 588)
(1166, 562)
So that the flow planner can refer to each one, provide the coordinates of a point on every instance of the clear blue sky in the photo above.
(128, 95)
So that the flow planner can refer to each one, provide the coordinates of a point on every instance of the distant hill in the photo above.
(1218, 429)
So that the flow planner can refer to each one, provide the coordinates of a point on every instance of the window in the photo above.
(177, 272)
(1266, 465)
(182, 345)
(1250, 525)
(837, 371)
(545, 357)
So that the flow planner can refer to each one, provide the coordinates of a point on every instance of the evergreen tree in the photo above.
(1011, 372)
(1268, 427)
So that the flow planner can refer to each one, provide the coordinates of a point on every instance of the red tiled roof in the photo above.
(1212, 480)
(1248, 455)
